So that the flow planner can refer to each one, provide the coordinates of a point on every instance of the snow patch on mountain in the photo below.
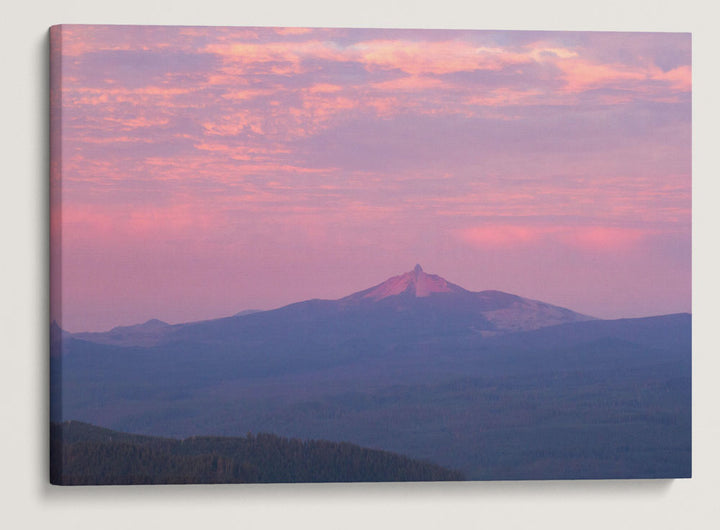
(526, 315)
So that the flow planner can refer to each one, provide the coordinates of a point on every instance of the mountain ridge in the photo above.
(429, 300)
(449, 377)
(592, 399)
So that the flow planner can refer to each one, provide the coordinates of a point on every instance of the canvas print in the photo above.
(341, 255)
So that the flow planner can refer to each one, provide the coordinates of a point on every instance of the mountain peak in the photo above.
(417, 283)
(155, 322)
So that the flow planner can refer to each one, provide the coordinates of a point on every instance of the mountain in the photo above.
(490, 383)
(247, 312)
(416, 283)
(146, 334)
(484, 312)
(414, 303)
(57, 336)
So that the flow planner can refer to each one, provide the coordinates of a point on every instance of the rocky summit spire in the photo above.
(417, 282)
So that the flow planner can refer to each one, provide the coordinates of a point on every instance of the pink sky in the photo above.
(210, 170)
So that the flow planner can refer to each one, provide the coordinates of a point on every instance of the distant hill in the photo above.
(84, 454)
(246, 312)
(146, 334)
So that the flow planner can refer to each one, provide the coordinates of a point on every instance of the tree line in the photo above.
(82, 454)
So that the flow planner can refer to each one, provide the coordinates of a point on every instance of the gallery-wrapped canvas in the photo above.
(340, 255)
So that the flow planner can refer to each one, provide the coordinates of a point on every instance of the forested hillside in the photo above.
(82, 454)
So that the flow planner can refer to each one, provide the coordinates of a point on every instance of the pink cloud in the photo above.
(78, 40)
(679, 78)
(138, 122)
(245, 53)
(505, 97)
(501, 235)
(138, 222)
(235, 123)
(604, 239)
(411, 83)
(325, 88)
(151, 97)
(581, 75)
(412, 57)
(318, 105)
(246, 95)
(112, 139)
(585, 238)
(293, 31)
(417, 58)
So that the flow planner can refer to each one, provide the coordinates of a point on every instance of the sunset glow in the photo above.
(206, 171)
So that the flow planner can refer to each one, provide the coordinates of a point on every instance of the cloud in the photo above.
(412, 83)
(262, 86)
(582, 75)
(325, 88)
(604, 239)
(292, 31)
(417, 58)
(500, 235)
(285, 57)
(594, 239)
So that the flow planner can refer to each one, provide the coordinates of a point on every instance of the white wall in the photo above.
(27, 500)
